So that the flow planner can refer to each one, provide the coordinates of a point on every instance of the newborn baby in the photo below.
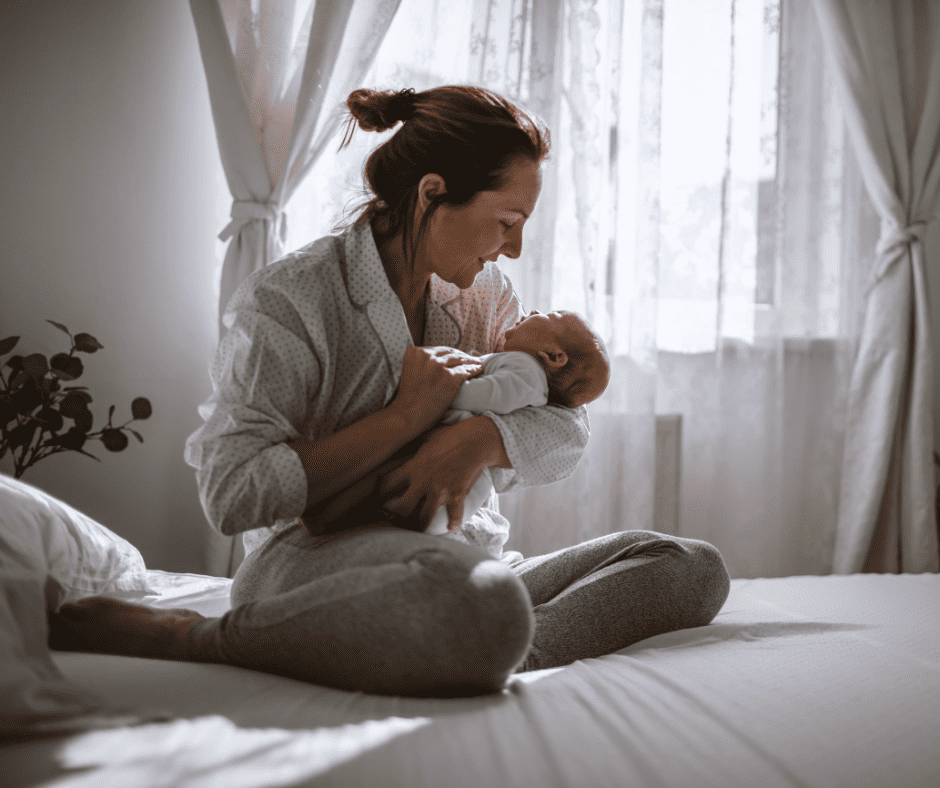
(556, 359)
(553, 359)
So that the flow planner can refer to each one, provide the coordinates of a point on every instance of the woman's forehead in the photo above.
(521, 187)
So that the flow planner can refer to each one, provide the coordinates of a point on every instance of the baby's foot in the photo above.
(107, 626)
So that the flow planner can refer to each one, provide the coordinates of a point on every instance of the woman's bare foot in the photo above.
(107, 626)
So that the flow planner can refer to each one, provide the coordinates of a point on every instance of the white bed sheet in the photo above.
(804, 681)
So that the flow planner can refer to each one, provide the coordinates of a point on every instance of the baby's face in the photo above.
(549, 333)
(534, 331)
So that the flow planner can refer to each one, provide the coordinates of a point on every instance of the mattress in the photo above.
(801, 681)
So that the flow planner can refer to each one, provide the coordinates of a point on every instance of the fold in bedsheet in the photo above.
(823, 682)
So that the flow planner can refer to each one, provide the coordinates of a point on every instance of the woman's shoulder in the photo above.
(308, 270)
(315, 257)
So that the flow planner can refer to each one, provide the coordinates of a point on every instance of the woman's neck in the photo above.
(410, 287)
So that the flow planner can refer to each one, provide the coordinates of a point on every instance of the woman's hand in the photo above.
(441, 473)
(430, 379)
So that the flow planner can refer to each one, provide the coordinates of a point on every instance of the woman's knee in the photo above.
(489, 624)
(505, 617)
(710, 580)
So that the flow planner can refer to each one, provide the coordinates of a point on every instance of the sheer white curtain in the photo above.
(278, 72)
(887, 59)
(702, 209)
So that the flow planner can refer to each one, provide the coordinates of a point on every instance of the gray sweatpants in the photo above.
(385, 610)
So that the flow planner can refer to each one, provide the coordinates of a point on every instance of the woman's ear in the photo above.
(430, 187)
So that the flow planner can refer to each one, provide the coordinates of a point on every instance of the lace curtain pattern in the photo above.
(702, 209)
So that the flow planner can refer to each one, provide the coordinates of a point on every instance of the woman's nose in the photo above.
(512, 248)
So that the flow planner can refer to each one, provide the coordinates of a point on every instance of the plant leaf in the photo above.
(7, 413)
(26, 399)
(114, 440)
(22, 435)
(74, 439)
(35, 365)
(51, 418)
(136, 434)
(66, 367)
(59, 326)
(6, 345)
(73, 404)
(141, 409)
(86, 343)
(83, 420)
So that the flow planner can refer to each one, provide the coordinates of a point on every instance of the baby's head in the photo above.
(573, 356)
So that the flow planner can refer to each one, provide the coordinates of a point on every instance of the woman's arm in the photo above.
(362, 501)
(443, 470)
(336, 462)
(430, 378)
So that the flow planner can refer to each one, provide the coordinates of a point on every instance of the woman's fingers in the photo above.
(430, 379)
(454, 514)
(393, 483)
(441, 473)
(399, 494)
(422, 502)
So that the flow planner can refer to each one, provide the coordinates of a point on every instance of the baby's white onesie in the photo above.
(510, 380)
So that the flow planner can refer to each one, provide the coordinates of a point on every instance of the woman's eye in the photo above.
(506, 225)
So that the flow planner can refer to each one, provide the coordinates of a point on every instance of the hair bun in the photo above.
(376, 110)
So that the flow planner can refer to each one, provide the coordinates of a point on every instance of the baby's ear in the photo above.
(554, 360)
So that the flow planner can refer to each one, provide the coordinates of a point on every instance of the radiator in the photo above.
(667, 503)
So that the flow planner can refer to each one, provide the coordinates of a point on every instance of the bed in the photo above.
(799, 681)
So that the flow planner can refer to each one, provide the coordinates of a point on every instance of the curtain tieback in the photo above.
(245, 211)
(892, 245)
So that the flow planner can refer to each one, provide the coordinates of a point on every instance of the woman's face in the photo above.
(460, 239)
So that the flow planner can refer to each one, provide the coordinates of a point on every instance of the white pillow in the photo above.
(80, 556)
(51, 553)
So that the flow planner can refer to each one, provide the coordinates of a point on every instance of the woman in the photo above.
(345, 354)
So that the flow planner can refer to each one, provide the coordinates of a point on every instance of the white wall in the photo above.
(112, 194)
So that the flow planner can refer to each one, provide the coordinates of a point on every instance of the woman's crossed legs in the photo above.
(384, 610)
(608, 593)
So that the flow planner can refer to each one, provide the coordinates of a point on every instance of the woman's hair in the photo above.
(467, 135)
(587, 372)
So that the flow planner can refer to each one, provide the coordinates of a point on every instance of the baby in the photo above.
(554, 359)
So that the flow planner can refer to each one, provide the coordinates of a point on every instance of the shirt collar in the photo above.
(365, 273)
(367, 278)
(443, 293)
(368, 285)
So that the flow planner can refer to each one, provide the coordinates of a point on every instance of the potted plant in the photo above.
(35, 406)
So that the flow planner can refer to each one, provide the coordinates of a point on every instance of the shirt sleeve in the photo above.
(263, 375)
(511, 381)
(543, 444)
